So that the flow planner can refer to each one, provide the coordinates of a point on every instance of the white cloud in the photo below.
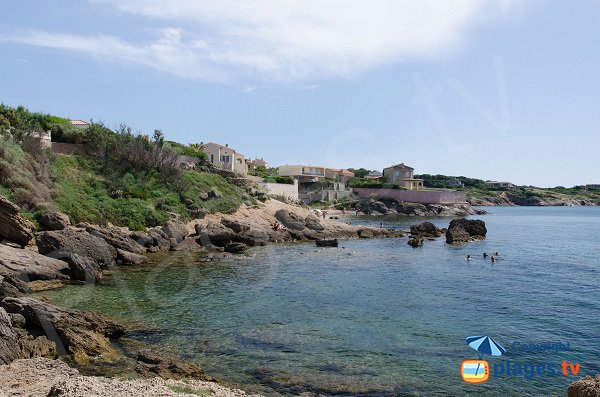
(281, 40)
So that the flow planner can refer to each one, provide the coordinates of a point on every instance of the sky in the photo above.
(503, 90)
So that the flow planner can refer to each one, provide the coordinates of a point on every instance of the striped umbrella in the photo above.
(485, 345)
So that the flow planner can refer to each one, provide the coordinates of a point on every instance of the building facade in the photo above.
(403, 176)
(507, 185)
(339, 175)
(225, 158)
(302, 173)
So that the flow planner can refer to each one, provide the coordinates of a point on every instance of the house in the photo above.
(403, 176)
(225, 158)
(455, 182)
(507, 185)
(252, 164)
(374, 175)
(593, 186)
(44, 137)
(80, 123)
(303, 173)
(339, 174)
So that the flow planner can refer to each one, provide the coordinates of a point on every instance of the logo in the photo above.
(475, 371)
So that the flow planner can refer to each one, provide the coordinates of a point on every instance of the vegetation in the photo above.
(271, 175)
(190, 390)
(360, 172)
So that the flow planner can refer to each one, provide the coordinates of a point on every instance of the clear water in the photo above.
(377, 317)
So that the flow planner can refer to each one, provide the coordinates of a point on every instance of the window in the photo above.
(396, 173)
(225, 159)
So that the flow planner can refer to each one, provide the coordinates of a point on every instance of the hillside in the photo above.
(131, 180)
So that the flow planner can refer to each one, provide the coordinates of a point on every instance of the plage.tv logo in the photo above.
(475, 371)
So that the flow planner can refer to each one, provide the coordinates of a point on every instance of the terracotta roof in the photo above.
(79, 122)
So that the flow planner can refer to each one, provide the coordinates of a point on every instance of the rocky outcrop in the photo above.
(54, 221)
(585, 387)
(395, 207)
(117, 238)
(175, 230)
(77, 241)
(130, 258)
(12, 286)
(416, 241)
(83, 335)
(81, 268)
(16, 343)
(465, 230)
(30, 265)
(425, 229)
(333, 242)
(235, 248)
(13, 227)
(290, 220)
(151, 364)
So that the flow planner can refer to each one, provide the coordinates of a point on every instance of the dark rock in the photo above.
(252, 237)
(327, 242)
(13, 227)
(16, 343)
(161, 241)
(175, 230)
(425, 229)
(116, 238)
(142, 238)
(54, 221)
(151, 364)
(129, 258)
(215, 193)
(416, 241)
(81, 268)
(81, 334)
(290, 220)
(585, 387)
(77, 241)
(236, 226)
(365, 233)
(29, 265)
(313, 223)
(12, 286)
(235, 248)
(217, 234)
(464, 230)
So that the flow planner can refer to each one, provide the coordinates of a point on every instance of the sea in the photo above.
(377, 317)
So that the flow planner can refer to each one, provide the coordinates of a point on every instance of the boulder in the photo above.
(129, 258)
(81, 268)
(365, 233)
(235, 248)
(161, 241)
(30, 265)
(54, 221)
(290, 220)
(116, 238)
(252, 237)
(142, 238)
(15, 343)
(175, 230)
(425, 229)
(203, 196)
(77, 241)
(416, 241)
(217, 234)
(333, 242)
(464, 230)
(13, 227)
(151, 364)
(236, 226)
(12, 286)
(313, 223)
(84, 335)
(585, 387)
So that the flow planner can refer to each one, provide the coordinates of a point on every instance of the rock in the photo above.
(77, 241)
(129, 258)
(313, 223)
(365, 233)
(585, 387)
(13, 227)
(217, 234)
(44, 285)
(30, 265)
(416, 241)
(327, 242)
(34, 377)
(81, 268)
(425, 229)
(54, 221)
(235, 248)
(175, 230)
(15, 343)
(12, 286)
(151, 364)
(142, 238)
(236, 226)
(84, 335)
(116, 238)
(464, 230)
(252, 237)
(203, 196)
(161, 241)
(215, 193)
(290, 220)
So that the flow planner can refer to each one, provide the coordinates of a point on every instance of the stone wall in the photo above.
(280, 189)
(415, 196)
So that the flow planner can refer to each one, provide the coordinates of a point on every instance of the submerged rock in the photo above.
(151, 363)
(130, 258)
(327, 242)
(416, 241)
(13, 227)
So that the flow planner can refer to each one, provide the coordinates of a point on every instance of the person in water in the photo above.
(497, 254)
(493, 258)
(468, 258)
(485, 255)
(381, 225)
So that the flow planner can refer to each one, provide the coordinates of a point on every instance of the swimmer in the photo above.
(493, 258)
(468, 258)
(485, 255)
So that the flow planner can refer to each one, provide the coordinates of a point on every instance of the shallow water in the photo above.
(377, 317)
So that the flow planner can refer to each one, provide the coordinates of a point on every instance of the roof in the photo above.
(374, 173)
(401, 165)
(79, 122)
(341, 171)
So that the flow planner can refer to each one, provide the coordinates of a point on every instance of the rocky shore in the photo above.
(512, 199)
(395, 207)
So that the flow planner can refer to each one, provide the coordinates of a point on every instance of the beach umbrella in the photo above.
(485, 345)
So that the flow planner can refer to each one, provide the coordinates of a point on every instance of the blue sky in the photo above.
(503, 90)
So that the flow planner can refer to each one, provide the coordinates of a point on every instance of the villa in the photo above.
(252, 164)
(225, 158)
(80, 123)
(403, 176)
(303, 173)
(507, 185)
(339, 174)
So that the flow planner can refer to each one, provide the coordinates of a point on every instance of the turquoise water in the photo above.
(377, 317)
